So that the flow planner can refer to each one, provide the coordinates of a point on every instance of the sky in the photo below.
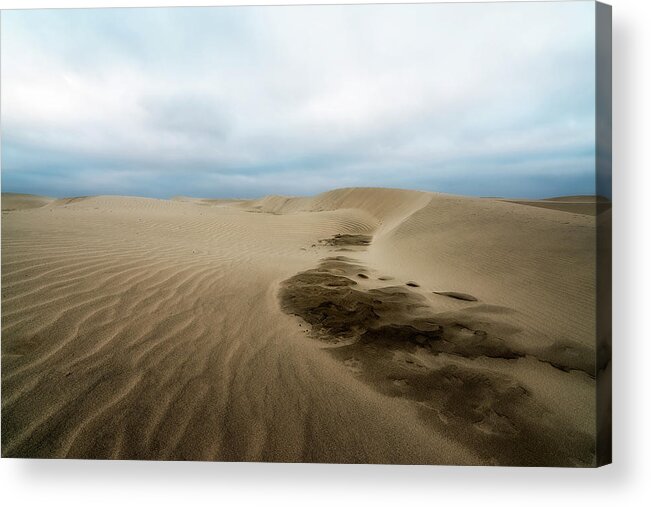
(474, 99)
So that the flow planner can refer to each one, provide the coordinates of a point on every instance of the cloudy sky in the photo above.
(474, 99)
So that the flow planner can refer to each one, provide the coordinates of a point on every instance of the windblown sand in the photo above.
(357, 326)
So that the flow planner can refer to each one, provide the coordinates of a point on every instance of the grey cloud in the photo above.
(296, 100)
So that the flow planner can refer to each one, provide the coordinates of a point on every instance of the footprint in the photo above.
(362, 275)
(412, 284)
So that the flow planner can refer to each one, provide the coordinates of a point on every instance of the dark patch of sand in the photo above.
(391, 338)
(457, 295)
(347, 240)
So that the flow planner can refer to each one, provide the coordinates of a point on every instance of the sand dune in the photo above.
(583, 204)
(12, 201)
(359, 325)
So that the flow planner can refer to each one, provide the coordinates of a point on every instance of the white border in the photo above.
(51, 483)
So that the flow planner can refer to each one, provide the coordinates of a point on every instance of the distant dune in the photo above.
(360, 325)
(12, 202)
(583, 204)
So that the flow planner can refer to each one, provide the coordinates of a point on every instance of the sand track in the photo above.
(151, 329)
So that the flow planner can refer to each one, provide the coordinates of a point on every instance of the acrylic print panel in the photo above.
(335, 234)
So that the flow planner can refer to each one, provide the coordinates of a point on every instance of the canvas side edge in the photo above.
(603, 185)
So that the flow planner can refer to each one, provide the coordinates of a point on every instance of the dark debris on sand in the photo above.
(386, 331)
(347, 240)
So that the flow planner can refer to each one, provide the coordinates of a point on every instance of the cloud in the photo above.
(296, 100)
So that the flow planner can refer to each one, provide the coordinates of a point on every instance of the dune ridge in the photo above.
(13, 201)
(139, 328)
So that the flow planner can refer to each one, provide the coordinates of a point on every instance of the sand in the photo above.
(583, 204)
(13, 202)
(357, 326)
